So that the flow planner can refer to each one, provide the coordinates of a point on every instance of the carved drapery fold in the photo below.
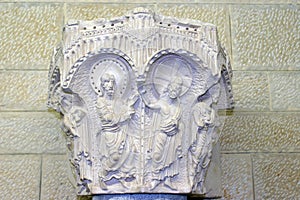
(139, 97)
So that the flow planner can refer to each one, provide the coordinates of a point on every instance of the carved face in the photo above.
(77, 115)
(108, 84)
(174, 88)
(66, 103)
(206, 115)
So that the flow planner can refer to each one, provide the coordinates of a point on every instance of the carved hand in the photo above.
(107, 117)
(179, 151)
(131, 110)
(142, 90)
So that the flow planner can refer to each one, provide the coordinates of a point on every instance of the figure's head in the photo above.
(108, 84)
(205, 112)
(77, 114)
(66, 103)
(174, 88)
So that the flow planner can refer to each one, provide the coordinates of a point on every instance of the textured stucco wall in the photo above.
(260, 143)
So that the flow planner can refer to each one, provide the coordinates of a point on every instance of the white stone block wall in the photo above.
(260, 143)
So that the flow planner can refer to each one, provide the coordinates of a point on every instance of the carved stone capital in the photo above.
(139, 97)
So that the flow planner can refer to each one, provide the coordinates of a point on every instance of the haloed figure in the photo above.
(106, 103)
(167, 141)
(113, 112)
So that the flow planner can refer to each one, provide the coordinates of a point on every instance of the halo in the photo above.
(111, 66)
(167, 68)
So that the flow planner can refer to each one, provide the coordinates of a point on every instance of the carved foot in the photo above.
(132, 186)
(102, 185)
(169, 184)
(125, 184)
(153, 184)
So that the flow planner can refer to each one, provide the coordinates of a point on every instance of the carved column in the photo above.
(139, 97)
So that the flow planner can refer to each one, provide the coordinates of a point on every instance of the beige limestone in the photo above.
(285, 90)
(277, 131)
(23, 90)
(57, 178)
(79, 11)
(265, 37)
(23, 132)
(28, 34)
(251, 91)
(237, 176)
(20, 177)
(261, 132)
(259, 2)
(276, 176)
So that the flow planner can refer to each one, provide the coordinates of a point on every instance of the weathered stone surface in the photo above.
(141, 118)
(266, 37)
(28, 34)
(237, 176)
(251, 91)
(172, 1)
(30, 133)
(56, 177)
(20, 177)
(23, 90)
(268, 132)
(276, 176)
(285, 90)
(96, 11)
(215, 14)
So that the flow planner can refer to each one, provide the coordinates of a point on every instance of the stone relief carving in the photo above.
(113, 113)
(166, 149)
(139, 97)
(203, 118)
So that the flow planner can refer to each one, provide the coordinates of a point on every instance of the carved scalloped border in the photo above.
(80, 61)
(179, 52)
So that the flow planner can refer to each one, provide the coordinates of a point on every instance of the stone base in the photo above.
(140, 197)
